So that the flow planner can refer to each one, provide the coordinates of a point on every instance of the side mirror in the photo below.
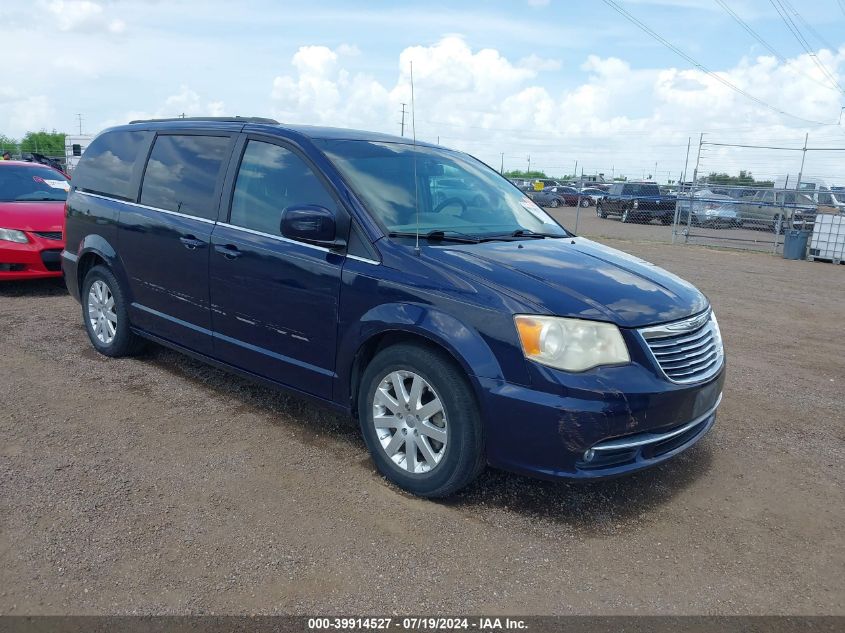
(312, 224)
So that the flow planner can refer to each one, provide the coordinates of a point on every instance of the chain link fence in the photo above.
(791, 186)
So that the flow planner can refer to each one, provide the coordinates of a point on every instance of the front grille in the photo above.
(687, 351)
(49, 235)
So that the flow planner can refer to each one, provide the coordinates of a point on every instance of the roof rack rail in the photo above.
(223, 119)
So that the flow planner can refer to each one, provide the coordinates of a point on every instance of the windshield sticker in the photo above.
(54, 184)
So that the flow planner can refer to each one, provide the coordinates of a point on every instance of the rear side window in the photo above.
(107, 165)
(629, 190)
(649, 190)
(270, 179)
(183, 172)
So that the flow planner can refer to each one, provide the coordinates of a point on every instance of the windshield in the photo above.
(24, 183)
(453, 191)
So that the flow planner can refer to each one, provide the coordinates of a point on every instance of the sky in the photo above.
(557, 81)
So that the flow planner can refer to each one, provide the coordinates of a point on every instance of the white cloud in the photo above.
(619, 117)
(21, 113)
(82, 15)
(185, 102)
(348, 50)
(537, 63)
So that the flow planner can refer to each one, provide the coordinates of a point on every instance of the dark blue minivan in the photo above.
(463, 330)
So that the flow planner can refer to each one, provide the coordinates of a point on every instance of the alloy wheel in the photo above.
(410, 421)
(101, 313)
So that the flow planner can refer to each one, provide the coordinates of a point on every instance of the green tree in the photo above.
(8, 144)
(43, 142)
(745, 178)
(517, 173)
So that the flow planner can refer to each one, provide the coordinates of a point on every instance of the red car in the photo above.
(32, 204)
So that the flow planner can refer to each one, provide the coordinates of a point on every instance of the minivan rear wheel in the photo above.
(420, 420)
(105, 316)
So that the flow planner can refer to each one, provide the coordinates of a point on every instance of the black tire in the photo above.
(463, 458)
(666, 220)
(124, 343)
(555, 203)
(600, 211)
(585, 202)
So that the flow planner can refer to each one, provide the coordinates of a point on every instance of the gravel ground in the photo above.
(160, 485)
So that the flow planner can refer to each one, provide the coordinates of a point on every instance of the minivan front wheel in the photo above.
(104, 314)
(420, 420)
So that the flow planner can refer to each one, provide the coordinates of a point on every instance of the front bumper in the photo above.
(37, 259)
(548, 435)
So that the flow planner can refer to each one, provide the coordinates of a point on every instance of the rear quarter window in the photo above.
(649, 190)
(108, 164)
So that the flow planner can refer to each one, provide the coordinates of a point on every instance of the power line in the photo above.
(752, 32)
(613, 5)
(793, 28)
(768, 46)
(809, 26)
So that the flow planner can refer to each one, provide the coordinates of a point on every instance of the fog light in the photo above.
(589, 454)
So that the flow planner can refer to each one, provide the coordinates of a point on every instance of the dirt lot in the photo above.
(159, 485)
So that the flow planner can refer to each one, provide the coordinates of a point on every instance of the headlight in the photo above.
(717, 334)
(11, 235)
(570, 344)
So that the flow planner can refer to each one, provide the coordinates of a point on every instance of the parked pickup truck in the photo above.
(636, 202)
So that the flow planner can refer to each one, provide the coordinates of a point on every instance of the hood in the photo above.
(577, 277)
(33, 216)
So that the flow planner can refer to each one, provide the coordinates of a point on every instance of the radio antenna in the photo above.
(416, 182)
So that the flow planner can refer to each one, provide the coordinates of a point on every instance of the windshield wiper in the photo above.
(535, 234)
(440, 236)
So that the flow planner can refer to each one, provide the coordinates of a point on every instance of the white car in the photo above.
(591, 195)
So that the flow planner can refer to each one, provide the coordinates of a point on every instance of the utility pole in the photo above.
(79, 116)
(575, 173)
(529, 166)
(402, 123)
(803, 156)
(797, 187)
(694, 184)
(502, 168)
(681, 191)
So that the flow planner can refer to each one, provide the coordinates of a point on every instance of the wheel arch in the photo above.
(94, 250)
(433, 329)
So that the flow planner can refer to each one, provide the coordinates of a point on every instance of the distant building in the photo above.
(592, 178)
(75, 145)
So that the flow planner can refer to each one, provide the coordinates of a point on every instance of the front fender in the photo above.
(463, 342)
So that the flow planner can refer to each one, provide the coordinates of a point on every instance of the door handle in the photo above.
(229, 251)
(191, 243)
